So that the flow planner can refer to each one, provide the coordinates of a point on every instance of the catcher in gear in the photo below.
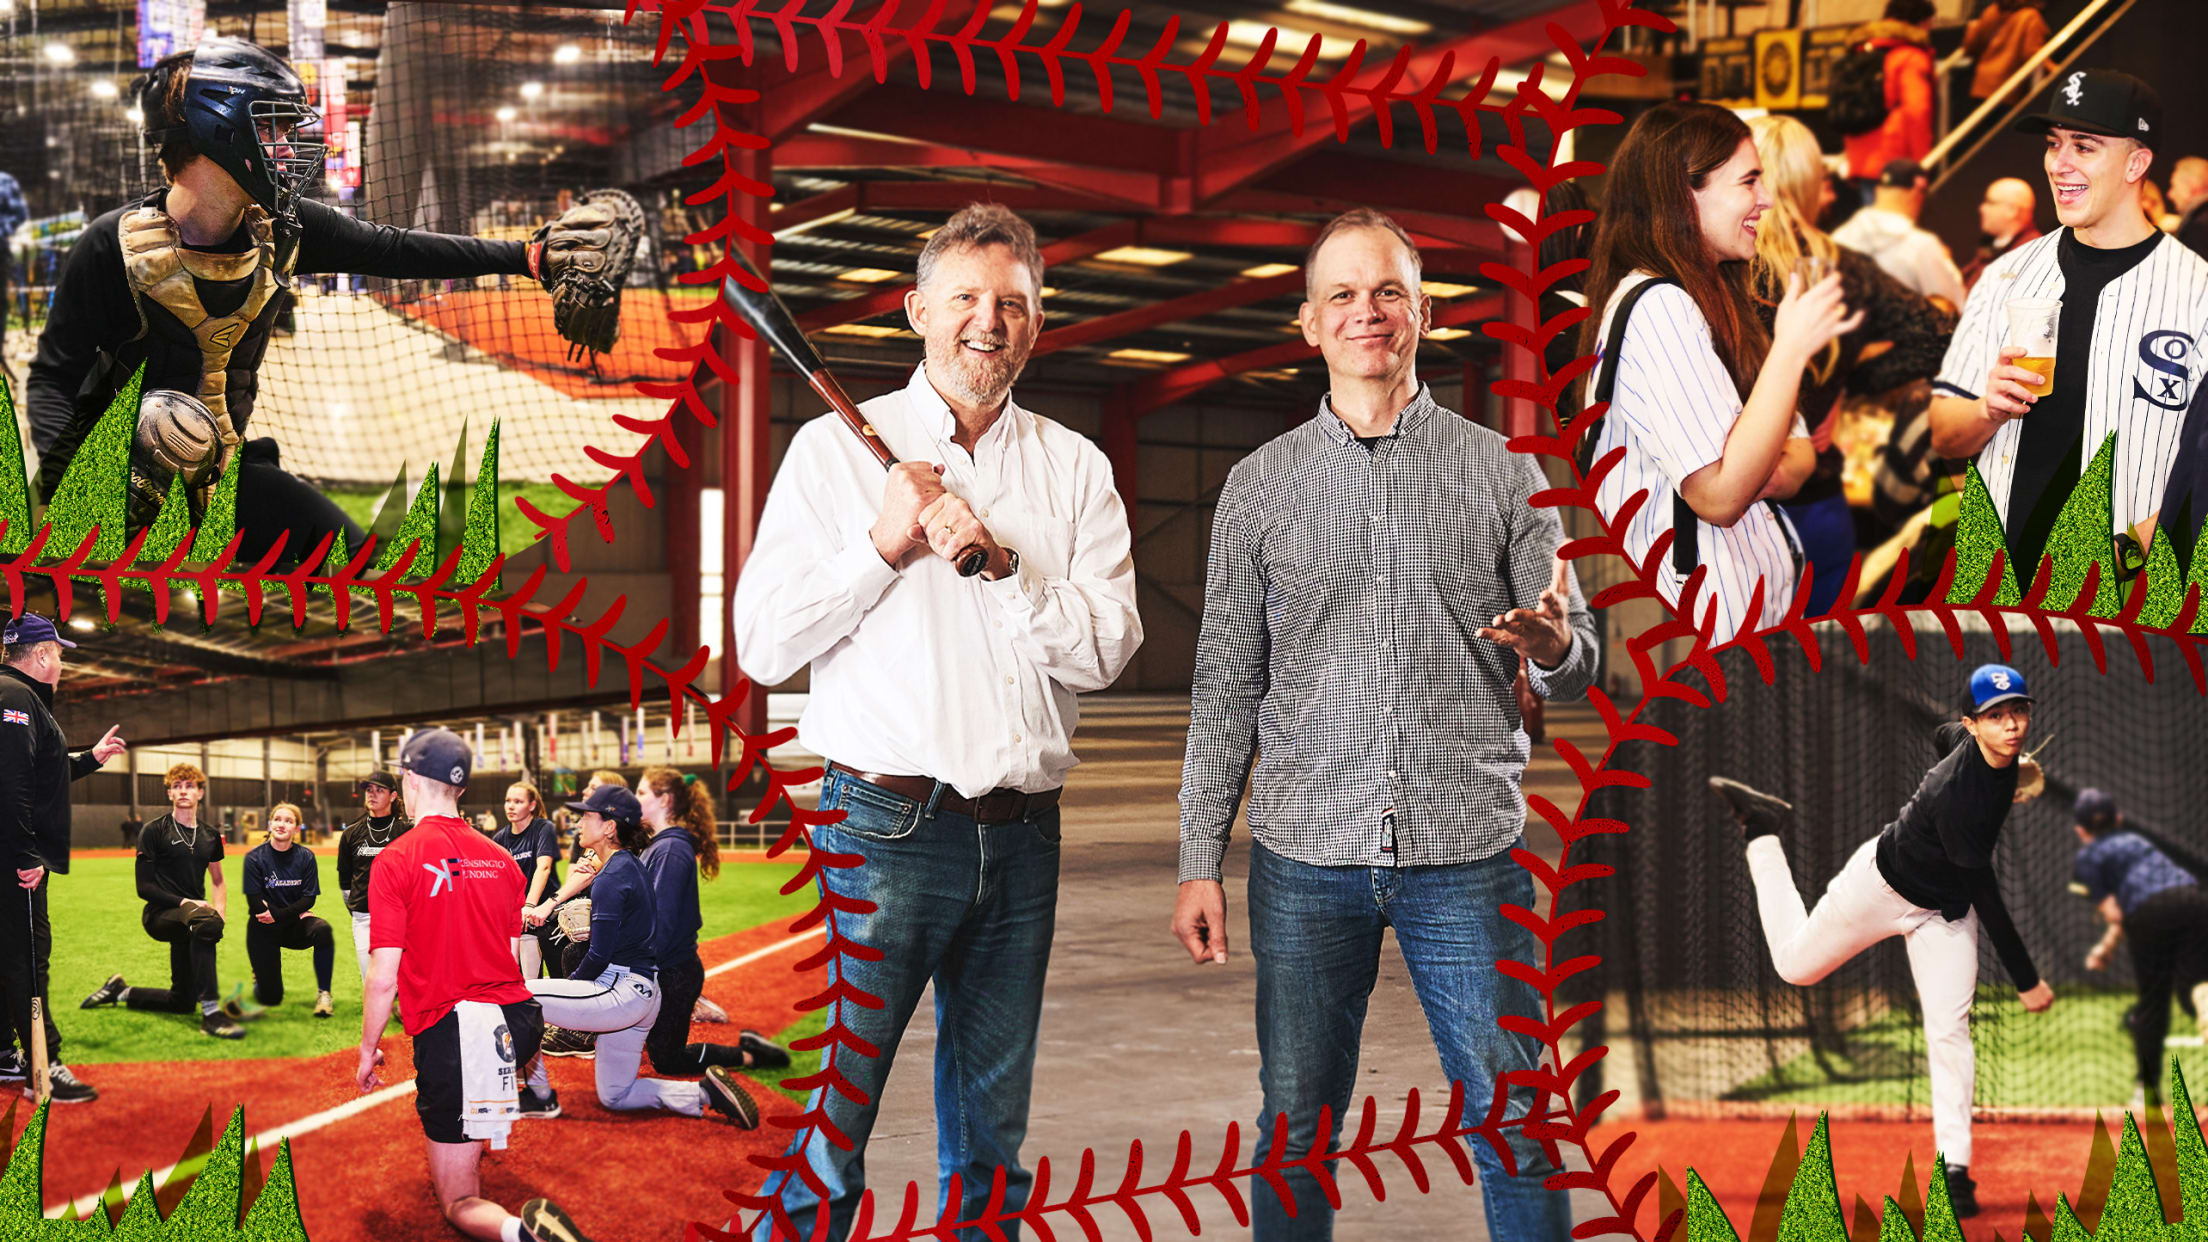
(1927, 878)
(2140, 889)
(189, 281)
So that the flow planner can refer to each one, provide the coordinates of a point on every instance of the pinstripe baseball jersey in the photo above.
(1672, 407)
(2145, 364)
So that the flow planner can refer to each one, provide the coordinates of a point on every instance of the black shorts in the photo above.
(437, 1094)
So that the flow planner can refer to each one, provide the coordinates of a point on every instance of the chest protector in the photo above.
(162, 270)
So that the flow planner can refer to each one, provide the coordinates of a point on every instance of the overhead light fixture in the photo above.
(103, 88)
(530, 90)
(506, 113)
(1350, 15)
(1047, 291)
(1264, 271)
(869, 275)
(134, 115)
(1288, 40)
(82, 625)
(1144, 256)
(1448, 334)
(874, 330)
(567, 54)
(1147, 355)
(59, 53)
(1444, 291)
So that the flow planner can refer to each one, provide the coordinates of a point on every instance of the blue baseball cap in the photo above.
(438, 754)
(30, 629)
(611, 802)
(1996, 683)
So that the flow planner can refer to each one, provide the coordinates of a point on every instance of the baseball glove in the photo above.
(575, 920)
(2031, 780)
(583, 260)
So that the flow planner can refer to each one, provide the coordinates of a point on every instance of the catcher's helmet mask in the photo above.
(246, 110)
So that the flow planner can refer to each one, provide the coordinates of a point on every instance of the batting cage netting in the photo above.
(1697, 1019)
(458, 118)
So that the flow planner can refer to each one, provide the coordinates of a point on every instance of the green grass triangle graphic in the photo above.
(2081, 538)
(15, 480)
(1706, 1221)
(1812, 1212)
(1978, 535)
(221, 519)
(479, 535)
(92, 490)
(169, 526)
(420, 523)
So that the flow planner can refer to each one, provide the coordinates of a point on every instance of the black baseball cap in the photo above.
(2093, 805)
(30, 629)
(1901, 174)
(380, 779)
(2101, 101)
(438, 754)
(611, 802)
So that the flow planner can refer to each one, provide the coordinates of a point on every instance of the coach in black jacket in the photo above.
(35, 770)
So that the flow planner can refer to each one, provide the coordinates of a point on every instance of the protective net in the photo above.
(1697, 1018)
(459, 118)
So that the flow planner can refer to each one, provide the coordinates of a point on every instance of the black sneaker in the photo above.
(561, 1042)
(543, 1220)
(539, 1107)
(761, 1052)
(64, 1087)
(1758, 813)
(1962, 1192)
(220, 1025)
(106, 994)
(12, 1068)
(729, 1098)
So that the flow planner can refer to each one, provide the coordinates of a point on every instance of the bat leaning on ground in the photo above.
(41, 1085)
(775, 325)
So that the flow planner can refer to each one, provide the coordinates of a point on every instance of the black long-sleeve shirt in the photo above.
(35, 770)
(93, 312)
(622, 922)
(671, 864)
(357, 848)
(1939, 852)
(283, 882)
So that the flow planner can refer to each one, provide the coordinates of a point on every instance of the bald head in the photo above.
(2188, 183)
(2007, 209)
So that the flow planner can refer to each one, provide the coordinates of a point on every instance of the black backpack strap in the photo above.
(1685, 543)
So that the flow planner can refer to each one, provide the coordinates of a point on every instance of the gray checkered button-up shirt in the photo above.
(1340, 646)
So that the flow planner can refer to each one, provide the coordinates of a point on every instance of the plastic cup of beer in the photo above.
(2033, 325)
(1812, 269)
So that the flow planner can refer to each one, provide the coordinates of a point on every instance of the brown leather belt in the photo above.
(995, 807)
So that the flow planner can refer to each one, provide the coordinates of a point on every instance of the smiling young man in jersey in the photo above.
(2129, 352)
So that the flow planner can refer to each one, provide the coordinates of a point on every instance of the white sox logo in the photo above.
(2000, 681)
(2165, 352)
(2073, 89)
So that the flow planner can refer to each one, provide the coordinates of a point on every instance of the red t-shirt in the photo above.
(449, 897)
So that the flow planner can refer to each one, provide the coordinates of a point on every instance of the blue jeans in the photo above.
(970, 906)
(1315, 932)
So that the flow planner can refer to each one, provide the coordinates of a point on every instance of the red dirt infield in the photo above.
(365, 1177)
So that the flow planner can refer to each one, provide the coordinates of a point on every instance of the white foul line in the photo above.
(268, 1139)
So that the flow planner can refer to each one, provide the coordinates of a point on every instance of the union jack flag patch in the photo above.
(12, 716)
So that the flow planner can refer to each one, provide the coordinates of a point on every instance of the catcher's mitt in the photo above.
(574, 920)
(2031, 780)
(583, 260)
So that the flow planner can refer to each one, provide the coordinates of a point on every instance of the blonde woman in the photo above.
(1794, 169)
(535, 846)
(282, 881)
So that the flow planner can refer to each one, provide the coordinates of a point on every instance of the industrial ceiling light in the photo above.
(1264, 271)
(1350, 15)
(1147, 355)
(1144, 256)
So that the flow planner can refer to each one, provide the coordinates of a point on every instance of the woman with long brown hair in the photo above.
(1702, 397)
(684, 843)
(1914, 329)
(534, 844)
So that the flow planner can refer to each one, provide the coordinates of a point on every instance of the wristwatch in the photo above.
(1011, 564)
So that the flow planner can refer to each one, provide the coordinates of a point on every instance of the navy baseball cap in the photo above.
(1991, 684)
(380, 779)
(438, 754)
(2093, 805)
(2101, 101)
(29, 629)
(1901, 174)
(612, 802)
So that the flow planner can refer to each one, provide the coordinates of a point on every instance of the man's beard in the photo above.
(975, 379)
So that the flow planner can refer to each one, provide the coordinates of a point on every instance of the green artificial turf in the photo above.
(95, 911)
(2075, 1055)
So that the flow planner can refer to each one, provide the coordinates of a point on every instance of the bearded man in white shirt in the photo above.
(945, 706)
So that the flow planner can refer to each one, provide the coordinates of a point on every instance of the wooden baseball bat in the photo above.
(774, 323)
(41, 1086)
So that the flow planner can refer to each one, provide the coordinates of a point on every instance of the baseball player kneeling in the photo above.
(1928, 878)
(614, 990)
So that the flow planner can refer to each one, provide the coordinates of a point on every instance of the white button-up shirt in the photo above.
(919, 672)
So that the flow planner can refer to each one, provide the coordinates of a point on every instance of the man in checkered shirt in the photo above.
(1365, 612)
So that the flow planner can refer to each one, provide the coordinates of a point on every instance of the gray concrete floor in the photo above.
(1138, 1045)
